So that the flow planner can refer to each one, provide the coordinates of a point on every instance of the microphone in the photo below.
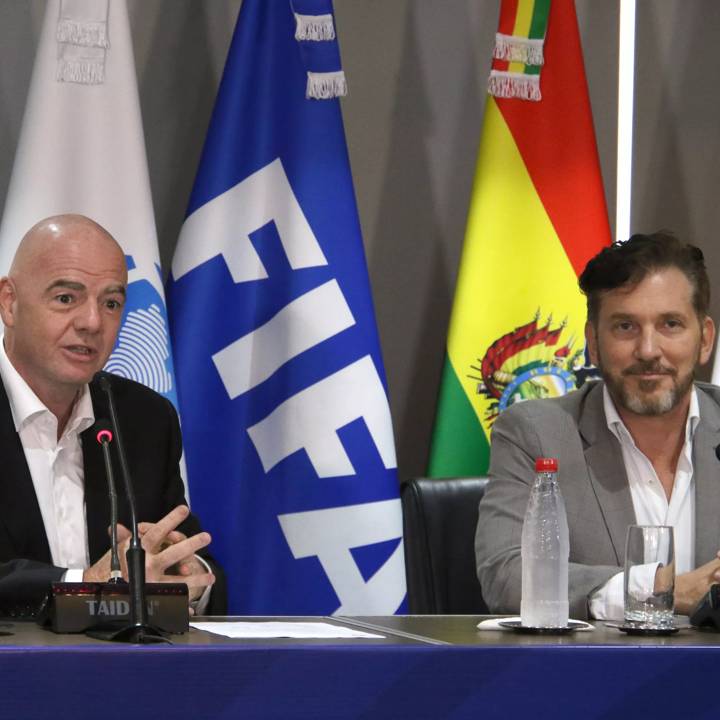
(139, 631)
(104, 437)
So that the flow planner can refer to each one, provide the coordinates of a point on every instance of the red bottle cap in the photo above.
(546, 465)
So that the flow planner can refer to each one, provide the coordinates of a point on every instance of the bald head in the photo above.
(62, 305)
(49, 235)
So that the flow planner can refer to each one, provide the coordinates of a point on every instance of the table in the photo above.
(425, 667)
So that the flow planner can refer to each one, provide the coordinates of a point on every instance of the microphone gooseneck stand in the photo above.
(139, 630)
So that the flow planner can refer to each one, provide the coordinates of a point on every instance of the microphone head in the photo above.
(104, 433)
(103, 381)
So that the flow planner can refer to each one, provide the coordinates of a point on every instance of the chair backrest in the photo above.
(439, 521)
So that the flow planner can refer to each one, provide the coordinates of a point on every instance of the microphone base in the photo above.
(135, 634)
(106, 607)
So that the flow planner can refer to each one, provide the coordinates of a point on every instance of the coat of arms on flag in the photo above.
(534, 360)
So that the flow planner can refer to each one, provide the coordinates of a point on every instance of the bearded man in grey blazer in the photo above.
(641, 446)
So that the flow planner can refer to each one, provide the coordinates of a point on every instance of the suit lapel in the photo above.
(706, 471)
(19, 508)
(607, 471)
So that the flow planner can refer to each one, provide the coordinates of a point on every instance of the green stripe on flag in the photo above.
(459, 446)
(538, 24)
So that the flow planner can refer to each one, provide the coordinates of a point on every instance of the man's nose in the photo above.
(648, 345)
(88, 317)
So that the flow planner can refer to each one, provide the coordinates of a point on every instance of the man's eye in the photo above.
(65, 298)
(113, 304)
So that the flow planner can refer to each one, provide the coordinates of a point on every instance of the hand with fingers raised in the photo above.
(169, 554)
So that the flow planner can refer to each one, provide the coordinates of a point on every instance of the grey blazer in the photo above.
(594, 485)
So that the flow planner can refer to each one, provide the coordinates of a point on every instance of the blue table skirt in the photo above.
(363, 681)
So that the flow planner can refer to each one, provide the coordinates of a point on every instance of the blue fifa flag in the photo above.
(282, 391)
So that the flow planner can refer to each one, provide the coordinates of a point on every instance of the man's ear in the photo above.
(707, 339)
(8, 297)
(591, 341)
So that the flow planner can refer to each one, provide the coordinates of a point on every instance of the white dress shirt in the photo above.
(651, 504)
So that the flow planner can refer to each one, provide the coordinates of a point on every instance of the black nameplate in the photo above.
(77, 607)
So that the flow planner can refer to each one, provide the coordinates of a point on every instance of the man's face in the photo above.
(62, 311)
(648, 341)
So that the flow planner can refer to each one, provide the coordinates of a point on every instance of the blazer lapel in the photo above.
(607, 472)
(19, 508)
(706, 471)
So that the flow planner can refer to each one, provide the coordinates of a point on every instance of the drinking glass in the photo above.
(649, 577)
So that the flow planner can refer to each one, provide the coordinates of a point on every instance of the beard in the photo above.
(647, 399)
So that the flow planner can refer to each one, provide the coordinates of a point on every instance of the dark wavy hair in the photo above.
(629, 262)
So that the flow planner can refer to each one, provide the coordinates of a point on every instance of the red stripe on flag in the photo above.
(506, 25)
(508, 13)
(556, 139)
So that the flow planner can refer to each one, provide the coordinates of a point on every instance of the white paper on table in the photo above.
(276, 629)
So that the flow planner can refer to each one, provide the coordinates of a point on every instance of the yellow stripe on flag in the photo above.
(513, 265)
(523, 20)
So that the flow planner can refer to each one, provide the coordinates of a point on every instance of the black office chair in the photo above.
(439, 519)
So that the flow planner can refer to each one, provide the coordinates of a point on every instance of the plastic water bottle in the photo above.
(545, 549)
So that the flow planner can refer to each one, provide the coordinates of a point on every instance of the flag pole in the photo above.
(626, 79)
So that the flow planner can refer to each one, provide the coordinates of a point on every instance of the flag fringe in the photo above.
(518, 49)
(324, 86)
(514, 85)
(84, 72)
(314, 27)
(85, 34)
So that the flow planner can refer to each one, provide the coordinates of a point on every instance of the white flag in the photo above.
(82, 150)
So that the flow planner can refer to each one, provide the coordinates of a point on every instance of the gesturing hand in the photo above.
(166, 549)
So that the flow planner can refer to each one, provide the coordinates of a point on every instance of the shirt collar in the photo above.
(25, 405)
(617, 426)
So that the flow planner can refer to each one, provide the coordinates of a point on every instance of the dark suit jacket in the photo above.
(594, 485)
(151, 437)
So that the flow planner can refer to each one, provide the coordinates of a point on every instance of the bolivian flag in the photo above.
(537, 215)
